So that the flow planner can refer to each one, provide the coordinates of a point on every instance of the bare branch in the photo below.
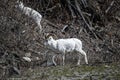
(106, 11)
(80, 12)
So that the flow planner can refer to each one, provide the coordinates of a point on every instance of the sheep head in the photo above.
(19, 4)
(49, 36)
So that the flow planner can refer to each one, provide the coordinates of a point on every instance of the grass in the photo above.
(83, 72)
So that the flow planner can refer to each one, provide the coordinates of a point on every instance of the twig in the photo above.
(106, 11)
(50, 9)
(72, 12)
(112, 42)
(88, 14)
(80, 12)
(118, 18)
(80, 30)
(66, 26)
(84, 3)
(34, 51)
(52, 24)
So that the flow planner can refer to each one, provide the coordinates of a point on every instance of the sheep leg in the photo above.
(78, 63)
(83, 53)
(39, 26)
(53, 59)
(63, 59)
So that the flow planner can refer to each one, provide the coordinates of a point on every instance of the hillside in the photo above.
(96, 23)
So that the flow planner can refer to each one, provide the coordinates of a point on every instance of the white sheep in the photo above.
(64, 46)
(36, 16)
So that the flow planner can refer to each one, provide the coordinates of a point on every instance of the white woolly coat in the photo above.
(65, 45)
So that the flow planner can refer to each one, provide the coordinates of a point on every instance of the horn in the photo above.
(55, 36)
(47, 35)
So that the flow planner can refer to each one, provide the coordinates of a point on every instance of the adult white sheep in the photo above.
(64, 46)
(36, 16)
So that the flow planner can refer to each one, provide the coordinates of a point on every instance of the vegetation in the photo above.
(67, 72)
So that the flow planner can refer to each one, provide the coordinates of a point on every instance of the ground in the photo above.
(72, 72)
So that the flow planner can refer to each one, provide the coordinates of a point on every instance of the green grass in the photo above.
(83, 72)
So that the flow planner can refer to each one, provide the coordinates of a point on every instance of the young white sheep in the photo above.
(64, 46)
(36, 16)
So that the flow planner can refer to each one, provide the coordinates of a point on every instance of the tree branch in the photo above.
(80, 12)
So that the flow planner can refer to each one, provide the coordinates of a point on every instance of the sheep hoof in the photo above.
(54, 65)
(78, 64)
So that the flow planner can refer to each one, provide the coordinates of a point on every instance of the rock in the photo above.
(27, 59)
(28, 54)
